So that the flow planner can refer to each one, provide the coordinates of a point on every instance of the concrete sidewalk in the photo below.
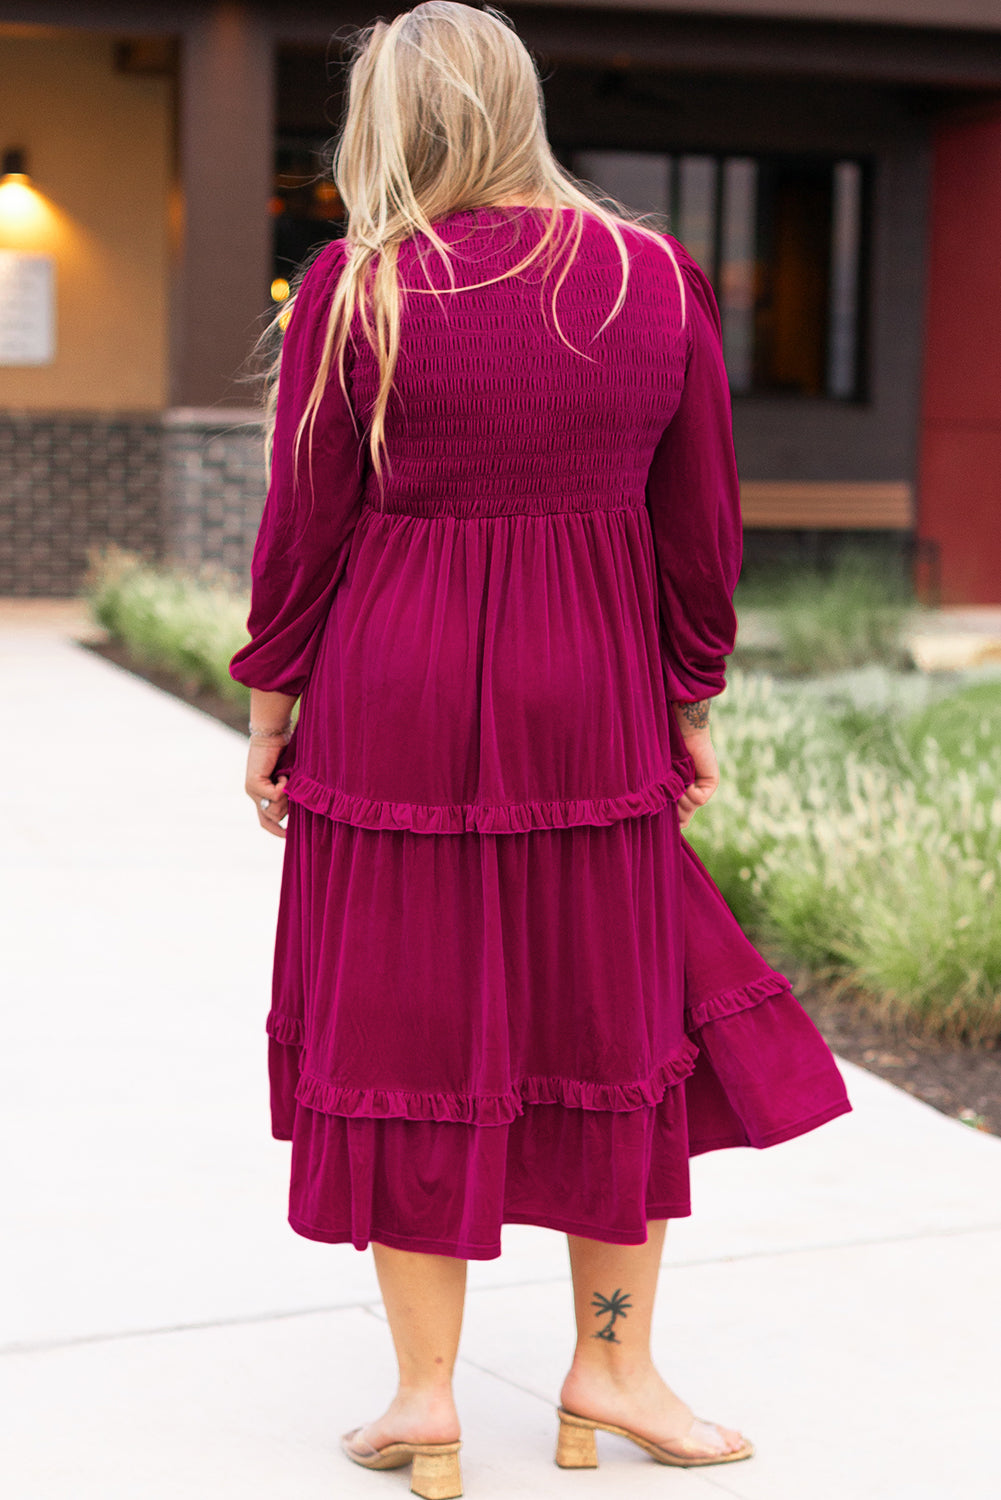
(167, 1334)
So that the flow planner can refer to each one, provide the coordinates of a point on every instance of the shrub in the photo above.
(186, 623)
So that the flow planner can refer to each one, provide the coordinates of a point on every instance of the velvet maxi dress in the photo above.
(505, 990)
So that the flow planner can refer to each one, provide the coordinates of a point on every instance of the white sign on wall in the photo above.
(27, 308)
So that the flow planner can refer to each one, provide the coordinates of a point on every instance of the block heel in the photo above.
(436, 1476)
(576, 1445)
(577, 1448)
(435, 1473)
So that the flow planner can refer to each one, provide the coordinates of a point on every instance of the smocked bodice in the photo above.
(492, 645)
(492, 412)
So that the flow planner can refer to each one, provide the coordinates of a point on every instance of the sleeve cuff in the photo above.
(690, 688)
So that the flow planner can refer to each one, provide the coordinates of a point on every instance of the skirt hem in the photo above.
(773, 1137)
(462, 1250)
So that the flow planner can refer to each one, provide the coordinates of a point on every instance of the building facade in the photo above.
(834, 167)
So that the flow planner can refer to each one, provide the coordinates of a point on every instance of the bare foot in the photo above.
(411, 1417)
(643, 1403)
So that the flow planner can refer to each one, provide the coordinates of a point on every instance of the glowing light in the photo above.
(279, 289)
(327, 198)
(25, 216)
(285, 319)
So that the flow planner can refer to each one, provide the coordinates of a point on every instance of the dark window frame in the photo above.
(861, 394)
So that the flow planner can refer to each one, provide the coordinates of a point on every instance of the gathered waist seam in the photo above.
(501, 515)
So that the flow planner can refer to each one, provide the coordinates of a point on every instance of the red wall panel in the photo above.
(959, 487)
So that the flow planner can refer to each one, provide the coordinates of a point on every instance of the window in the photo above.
(782, 238)
(306, 210)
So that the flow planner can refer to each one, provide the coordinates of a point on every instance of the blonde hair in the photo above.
(445, 113)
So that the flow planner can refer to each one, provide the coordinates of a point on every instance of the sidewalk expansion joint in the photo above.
(374, 1308)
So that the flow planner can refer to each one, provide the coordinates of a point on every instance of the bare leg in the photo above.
(613, 1377)
(424, 1297)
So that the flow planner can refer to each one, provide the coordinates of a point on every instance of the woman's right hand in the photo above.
(693, 719)
(262, 756)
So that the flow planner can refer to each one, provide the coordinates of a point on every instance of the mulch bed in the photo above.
(209, 702)
(961, 1081)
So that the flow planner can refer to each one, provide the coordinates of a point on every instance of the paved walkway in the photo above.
(167, 1334)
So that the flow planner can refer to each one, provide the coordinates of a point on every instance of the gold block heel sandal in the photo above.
(435, 1474)
(577, 1448)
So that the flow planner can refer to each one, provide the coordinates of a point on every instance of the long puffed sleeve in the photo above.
(693, 496)
(302, 542)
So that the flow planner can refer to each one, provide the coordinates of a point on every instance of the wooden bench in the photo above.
(793, 505)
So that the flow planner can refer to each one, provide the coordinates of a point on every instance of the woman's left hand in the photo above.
(261, 761)
(700, 748)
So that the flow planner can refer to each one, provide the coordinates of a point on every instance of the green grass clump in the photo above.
(188, 623)
(832, 621)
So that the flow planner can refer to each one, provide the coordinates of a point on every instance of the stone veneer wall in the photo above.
(213, 487)
(70, 480)
(183, 486)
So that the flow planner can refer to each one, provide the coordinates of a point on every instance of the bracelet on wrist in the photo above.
(260, 732)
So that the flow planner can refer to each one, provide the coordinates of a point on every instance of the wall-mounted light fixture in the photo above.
(14, 166)
(28, 221)
(27, 267)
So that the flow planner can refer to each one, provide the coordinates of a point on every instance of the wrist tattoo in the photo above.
(611, 1308)
(696, 715)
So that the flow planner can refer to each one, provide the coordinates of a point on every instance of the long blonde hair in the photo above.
(445, 113)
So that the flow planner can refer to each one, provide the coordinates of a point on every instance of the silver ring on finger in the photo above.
(264, 804)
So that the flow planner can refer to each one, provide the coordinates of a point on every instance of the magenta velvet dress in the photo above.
(505, 990)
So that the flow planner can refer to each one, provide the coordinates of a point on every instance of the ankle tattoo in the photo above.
(611, 1308)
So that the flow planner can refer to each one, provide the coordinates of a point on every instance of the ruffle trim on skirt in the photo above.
(288, 1030)
(480, 1109)
(475, 817)
(355, 1179)
(731, 1002)
(763, 1073)
(731, 1078)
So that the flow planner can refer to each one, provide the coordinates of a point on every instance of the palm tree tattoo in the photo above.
(611, 1308)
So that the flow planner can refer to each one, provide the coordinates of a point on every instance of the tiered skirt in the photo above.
(538, 1027)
